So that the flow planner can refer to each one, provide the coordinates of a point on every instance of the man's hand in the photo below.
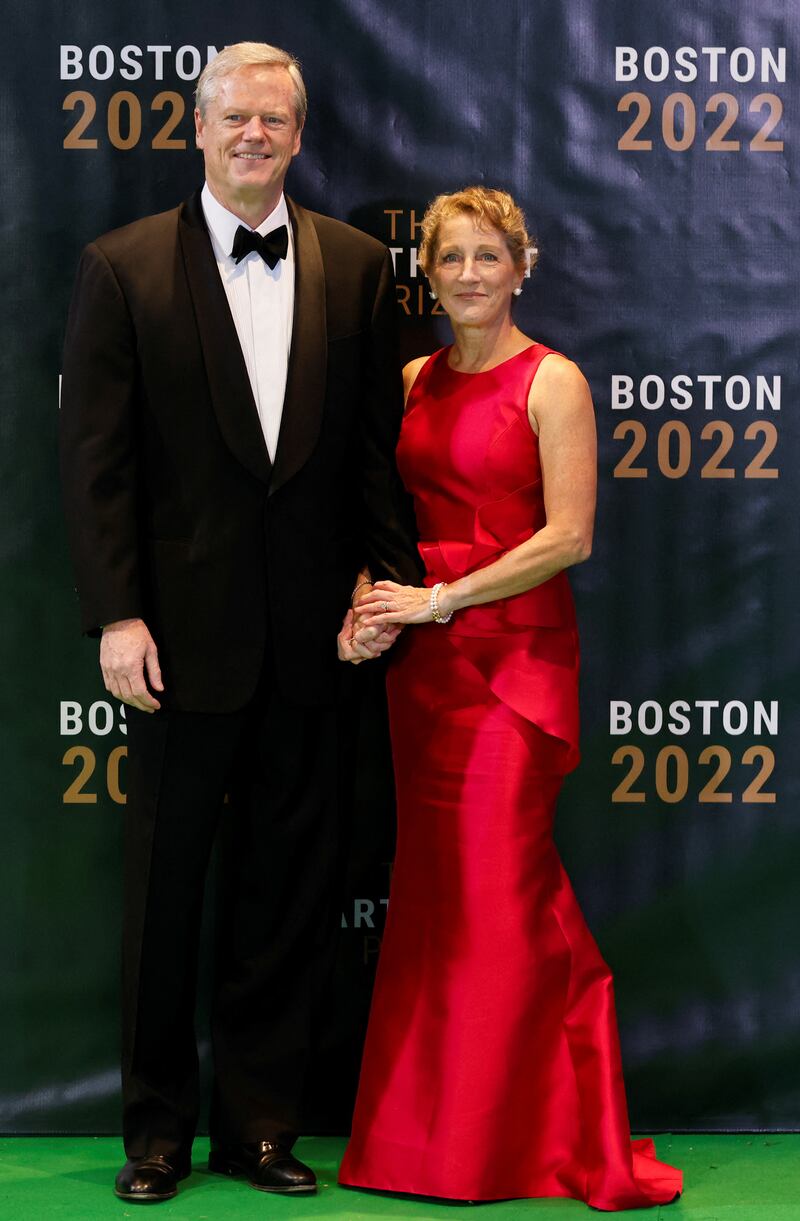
(128, 653)
(363, 644)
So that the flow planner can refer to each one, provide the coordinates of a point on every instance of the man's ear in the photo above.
(298, 141)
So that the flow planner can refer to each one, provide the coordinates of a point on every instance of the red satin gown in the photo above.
(492, 1067)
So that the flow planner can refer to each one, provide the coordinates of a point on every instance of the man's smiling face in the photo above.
(249, 135)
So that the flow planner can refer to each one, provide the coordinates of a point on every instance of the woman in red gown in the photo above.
(492, 1066)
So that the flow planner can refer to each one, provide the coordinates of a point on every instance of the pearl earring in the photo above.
(517, 292)
(434, 296)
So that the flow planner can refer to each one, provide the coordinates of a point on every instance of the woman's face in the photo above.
(473, 273)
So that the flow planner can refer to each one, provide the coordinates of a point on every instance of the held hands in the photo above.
(357, 644)
(128, 653)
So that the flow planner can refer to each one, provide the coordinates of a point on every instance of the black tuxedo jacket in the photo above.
(175, 513)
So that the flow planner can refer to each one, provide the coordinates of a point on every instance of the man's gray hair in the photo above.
(245, 55)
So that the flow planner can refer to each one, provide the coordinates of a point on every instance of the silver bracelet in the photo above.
(437, 616)
(360, 585)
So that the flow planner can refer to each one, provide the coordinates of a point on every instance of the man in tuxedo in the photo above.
(230, 406)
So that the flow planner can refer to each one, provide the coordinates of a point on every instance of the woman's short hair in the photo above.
(246, 55)
(490, 208)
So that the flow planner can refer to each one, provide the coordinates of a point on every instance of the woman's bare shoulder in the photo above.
(411, 372)
(559, 392)
(558, 372)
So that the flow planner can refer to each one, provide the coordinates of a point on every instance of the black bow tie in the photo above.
(272, 246)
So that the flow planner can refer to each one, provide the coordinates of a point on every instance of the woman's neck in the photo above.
(477, 348)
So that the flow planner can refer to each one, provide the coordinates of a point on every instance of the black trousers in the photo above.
(281, 864)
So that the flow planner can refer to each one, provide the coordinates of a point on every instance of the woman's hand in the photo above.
(357, 643)
(387, 602)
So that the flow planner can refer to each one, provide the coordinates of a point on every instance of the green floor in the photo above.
(727, 1178)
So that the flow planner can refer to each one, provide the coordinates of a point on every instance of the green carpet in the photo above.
(727, 1178)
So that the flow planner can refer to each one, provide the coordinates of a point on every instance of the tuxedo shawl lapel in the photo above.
(306, 377)
(228, 382)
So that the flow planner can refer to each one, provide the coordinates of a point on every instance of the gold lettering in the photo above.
(393, 213)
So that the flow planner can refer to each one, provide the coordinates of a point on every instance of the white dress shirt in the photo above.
(262, 304)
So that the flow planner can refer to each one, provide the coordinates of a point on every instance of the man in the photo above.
(230, 405)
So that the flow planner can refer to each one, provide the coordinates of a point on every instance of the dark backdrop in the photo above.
(666, 212)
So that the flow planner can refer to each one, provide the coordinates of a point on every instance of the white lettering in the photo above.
(765, 721)
(744, 397)
(713, 54)
(772, 67)
(95, 711)
(737, 725)
(626, 64)
(159, 52)
(193, 55)
(100, 718)
(738, 392)
(705, 707)
(131, 58)
(681, 386)
(687, 63)
(687, 70)
(131, 62)
(97, 72)
(648, 61)
(764, 392)
(680, 723)
(709, 380)
(621, 392)
(656, 721)
(748, 72)
(70, 719)
(71, 65)
(681, 717)
(651, 404)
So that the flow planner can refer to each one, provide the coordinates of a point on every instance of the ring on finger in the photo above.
(385, 606)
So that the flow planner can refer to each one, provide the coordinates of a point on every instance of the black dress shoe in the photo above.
(150, 1179)
(268, 1165)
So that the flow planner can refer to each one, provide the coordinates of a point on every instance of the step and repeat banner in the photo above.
(655, 154)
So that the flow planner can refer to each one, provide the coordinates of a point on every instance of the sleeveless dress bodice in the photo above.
(469, 457)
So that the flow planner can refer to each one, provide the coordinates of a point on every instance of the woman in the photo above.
(492, 1067)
